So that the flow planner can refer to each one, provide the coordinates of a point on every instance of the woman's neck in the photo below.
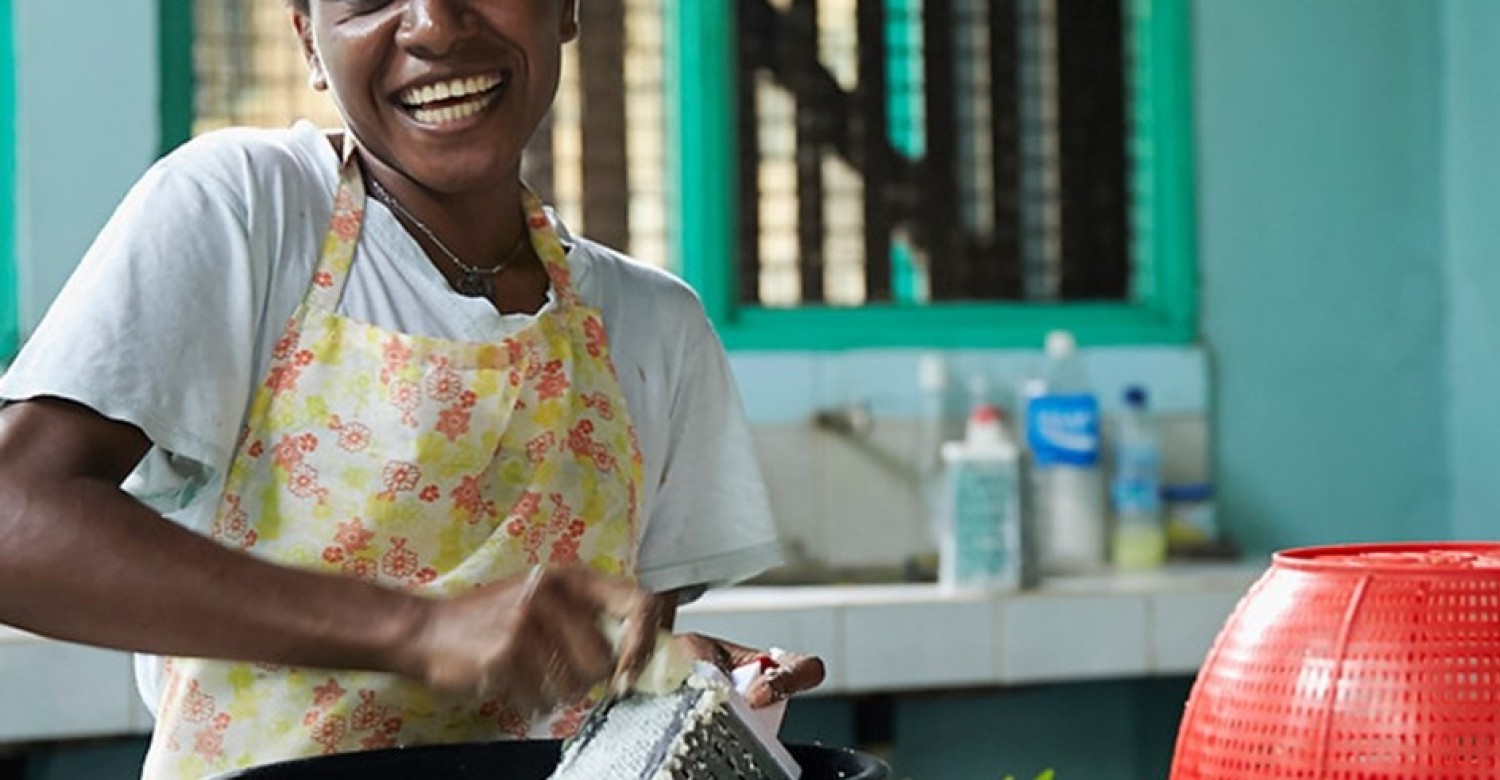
(480, 225)
(484, 228)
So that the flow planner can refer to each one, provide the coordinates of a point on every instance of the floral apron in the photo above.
(423, 464)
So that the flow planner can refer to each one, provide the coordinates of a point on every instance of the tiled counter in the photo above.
(56, 690)
(907, 637)
(873, 638)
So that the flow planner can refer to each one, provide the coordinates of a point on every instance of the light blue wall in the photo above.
(1472, 136)
(1322, 250)
(86, 127)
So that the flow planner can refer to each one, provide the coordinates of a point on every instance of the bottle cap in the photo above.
(1060, 344)
(1135, 397)
(985, 424)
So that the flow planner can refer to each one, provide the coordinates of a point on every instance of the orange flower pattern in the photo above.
(392, 459)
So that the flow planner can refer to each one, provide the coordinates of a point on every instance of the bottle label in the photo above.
(984, 547)
(1135, 484)
(1063, 430)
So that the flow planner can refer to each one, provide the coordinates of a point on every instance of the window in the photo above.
(963, 150)
(832, 174)
(936, 172)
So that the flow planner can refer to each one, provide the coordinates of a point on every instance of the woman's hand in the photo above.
(536, 640)
(786, 674)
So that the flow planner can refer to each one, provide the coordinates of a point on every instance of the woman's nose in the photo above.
(431, 28)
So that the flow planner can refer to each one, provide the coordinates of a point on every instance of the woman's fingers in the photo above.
(577, 655)
(567, 636)
(534, 639)
(784, 674)
(641, 624)
(792, 674)
(548, 636)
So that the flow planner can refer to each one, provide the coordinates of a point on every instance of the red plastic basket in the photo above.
(1369, 662)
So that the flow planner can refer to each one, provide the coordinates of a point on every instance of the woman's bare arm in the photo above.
(81, 560)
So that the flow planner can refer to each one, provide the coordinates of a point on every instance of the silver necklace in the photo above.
(473, 282)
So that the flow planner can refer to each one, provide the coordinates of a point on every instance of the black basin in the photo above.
(515, 761)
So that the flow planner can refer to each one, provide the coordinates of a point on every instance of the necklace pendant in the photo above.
(474, 285)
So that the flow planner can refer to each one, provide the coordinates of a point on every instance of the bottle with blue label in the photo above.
(981, 543)
(1069, 515)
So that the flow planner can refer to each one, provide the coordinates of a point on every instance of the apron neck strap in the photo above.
(337, 255)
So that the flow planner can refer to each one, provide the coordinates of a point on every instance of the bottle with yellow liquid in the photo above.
(1139, 540)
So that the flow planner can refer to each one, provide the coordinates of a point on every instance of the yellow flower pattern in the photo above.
(417, 463)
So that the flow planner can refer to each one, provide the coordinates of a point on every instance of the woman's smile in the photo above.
(444, 104)
(444, 93)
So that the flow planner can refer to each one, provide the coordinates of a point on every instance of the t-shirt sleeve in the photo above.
(156, 325)
(711, 522)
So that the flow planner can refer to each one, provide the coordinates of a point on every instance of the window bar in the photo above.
(875, 151)
(606, 180)
(567, 144)
(803, 16)
(943, 240)
(645, 124)
(747, 41)
(1092, 123)
(976, 188)
(1041, 211)
(1005, 255)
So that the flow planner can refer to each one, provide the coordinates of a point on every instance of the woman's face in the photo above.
(447, 92)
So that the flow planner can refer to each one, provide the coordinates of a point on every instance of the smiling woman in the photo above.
(387, 485)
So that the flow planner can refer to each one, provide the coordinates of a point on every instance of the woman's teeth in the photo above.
(451, 101)
(445, 114)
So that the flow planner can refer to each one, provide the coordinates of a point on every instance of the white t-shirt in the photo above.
(169, 321)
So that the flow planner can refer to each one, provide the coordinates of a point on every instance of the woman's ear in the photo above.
(317, 77)
(570, 20)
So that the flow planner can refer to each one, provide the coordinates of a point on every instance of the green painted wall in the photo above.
(1320, 173)
(1472, 62)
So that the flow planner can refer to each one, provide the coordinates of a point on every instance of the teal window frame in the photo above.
(702, 125)
(1163, 310)
(174, 19)
(10, 294)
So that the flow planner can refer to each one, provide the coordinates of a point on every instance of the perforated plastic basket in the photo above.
(1371, 662)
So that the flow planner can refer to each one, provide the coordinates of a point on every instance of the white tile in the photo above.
(1176, 377)
(141, 721)
(941, 644)
(874, 512)
(776, 387)
(1184, 626)
(53, 690)
(794, 478)
(1186, 454)
(813, 631)
(1068, 637)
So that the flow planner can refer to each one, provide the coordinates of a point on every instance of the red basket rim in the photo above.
(1335, 558)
